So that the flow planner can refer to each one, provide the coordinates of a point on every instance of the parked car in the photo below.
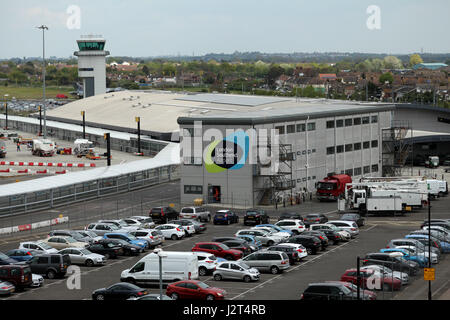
(50, 265)
(218, 249)
(36, 280)
(255, 216)
(89, 234)
(107, 249)
(18, 275)
(207, 263)
(314, 218)
(163, 214)
(225, 217)
(83, 257)
(6, 288)
(403, 276)
(187, 225)
(296, 226)
(101, 228)
(264, 236)
(235, 271)
(268, 261)
(443, 224)
(239, 244)
(349, 226)
(143, 220)
(330, 234)
(252, 240)
(275, 233)
(290, 216)
(121, 224)
(311, 243)
(363, 293)
(62, 242)
(128, 238)
(70, 233)
(343, 235)
(423, 249)
(390, 260)
(38, 245)
(367, 277)
(152, 296)
(276, 228)
(328, 291)
(153, 237)
(194, 289)
(199, 226)
(320, 235)
(119, 291)
(128, 249)
(424, 239)
(408, 255)
(290, 251)
(196, 213)
(171, 231)
(246, 242)
(21, 254)
(5, 260)
(360, 221)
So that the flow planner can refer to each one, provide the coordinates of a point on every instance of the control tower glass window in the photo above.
(91, 45)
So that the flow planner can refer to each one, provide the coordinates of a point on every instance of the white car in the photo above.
(90, 234)
(283, 235)
(197, 213)
(207, 263)
(83, 257)
(153, 237)
(262, 235)
(295, 225)
(38, 245)
(349, 226)
(404, 277)
(171, 231)
(148, 221)
(414, 252)
(439, 229)
(301, 250)
(121, 225)
(37, 280)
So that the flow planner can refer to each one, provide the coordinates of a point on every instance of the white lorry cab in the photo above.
(176, 266)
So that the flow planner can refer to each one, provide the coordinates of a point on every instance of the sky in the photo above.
(146, 28)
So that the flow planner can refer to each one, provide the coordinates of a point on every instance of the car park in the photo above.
(128, 238)
(6, 288)
(218, 249)
(171, 231)
(255, 216)
(328, 291)
(83, 257)
(296, 226)
(50, 265)
(268, 261)
(107, 249)
(225, 217)
(311, 243)
(207, 262)
(403, 276)
(314, 218)
(360, 221)
(187, 225)
(193, 289)
(163, 214)
(196, 213)
(38, 245)
(62, 242)
(18, 275)
(118, 291)
(368, 279)
(153, 237)
(21, 254)
(235, 271)
(290, 216)
(349, 226)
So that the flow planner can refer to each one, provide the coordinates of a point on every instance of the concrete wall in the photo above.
(425, 119)
(98, 63)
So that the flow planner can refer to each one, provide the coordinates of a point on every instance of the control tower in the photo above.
(92, 64)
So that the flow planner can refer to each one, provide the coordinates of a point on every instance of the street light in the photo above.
(161, 254)
(43, 28)
(5, 98)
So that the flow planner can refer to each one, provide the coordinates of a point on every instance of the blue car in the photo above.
(225, 217)
(128, 238)
(444, 246)
(5, 260)
(276, 228)
(22, 254)
(422, 261)
(252, 240)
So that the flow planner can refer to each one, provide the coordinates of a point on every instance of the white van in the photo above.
(176, 266)
(437, 188)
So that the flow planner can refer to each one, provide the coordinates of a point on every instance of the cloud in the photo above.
(39, 15)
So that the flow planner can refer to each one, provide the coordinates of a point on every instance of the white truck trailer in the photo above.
(43, 148)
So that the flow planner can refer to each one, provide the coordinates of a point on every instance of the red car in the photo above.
(363, 293)
(193, 289)
(219, 250)
(368, 280)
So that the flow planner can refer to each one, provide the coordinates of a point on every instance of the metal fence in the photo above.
(87, 190)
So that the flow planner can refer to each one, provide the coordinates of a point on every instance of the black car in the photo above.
(314, 218)
(290, 251)
(225, 217)
(311, 243)
(327, 291)
(51, 265)
(290, 215)
(360, 221)
(119, 291)
(128, 249)
(255, 216)
(319, 234)
(331, 235)
(393, 263)
(108, 249)
(239, 244)
(163, 214)
(236, 240)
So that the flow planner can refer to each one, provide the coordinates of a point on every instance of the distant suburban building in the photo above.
(431, 66)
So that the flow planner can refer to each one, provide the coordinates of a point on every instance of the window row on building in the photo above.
(359, 171)
(352, 147)
(351, 122)
(293, 128)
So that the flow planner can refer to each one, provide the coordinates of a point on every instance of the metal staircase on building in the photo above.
(395, 150)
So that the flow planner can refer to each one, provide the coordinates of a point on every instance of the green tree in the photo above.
(415, 59)
(386, 77)
(392, 62)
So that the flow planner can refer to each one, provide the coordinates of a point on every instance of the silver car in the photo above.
(83, 257)
(272, 261)
(37, 280)
(235, 270)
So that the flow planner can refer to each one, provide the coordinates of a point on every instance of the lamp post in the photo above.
(5, 97)
(40, 121)
(161, 255)
(83, 113)
(429, 243)
(138, 121)
(43, 28)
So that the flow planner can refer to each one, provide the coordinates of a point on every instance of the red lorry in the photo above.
(331, 187)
